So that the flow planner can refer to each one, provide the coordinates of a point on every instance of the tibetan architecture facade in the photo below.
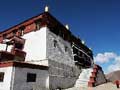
(42, 54)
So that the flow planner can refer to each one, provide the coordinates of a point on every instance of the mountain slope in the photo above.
(113, 76)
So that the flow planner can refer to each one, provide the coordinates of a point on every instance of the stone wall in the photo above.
(62, 70)
(100, 77)
(62, 75)
(97, 76)
(58, 49)
(20, 80)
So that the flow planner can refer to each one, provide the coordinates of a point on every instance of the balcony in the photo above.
(5, 56)
(17, 55)
(82, 61)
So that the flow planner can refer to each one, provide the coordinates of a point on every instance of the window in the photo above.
(21, 30)
(75, 51)
(38, 24)
(19, 46)
(80, 53)
(1, 76)
(4, 36)
(55, 43)
(14, 32)
(31, 77)
(66, 48)
(61, 34)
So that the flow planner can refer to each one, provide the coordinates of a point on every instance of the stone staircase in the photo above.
(84, 77)
(92, 79)
(97, 77)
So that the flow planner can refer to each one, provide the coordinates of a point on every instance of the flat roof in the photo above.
(22, 65)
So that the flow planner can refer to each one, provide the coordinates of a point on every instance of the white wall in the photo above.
(3, 47)
(20, 83)
(5, 85)
(35, 45)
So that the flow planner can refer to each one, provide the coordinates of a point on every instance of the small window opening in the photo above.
(1, 76)
(66, 48)
(55, 43)
(14, 32)
(38, 24)
(31, 77)
(80, 53)
(22, 32)
(4, 36)
(19, 46)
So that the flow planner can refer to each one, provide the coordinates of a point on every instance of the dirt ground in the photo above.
(106, 86)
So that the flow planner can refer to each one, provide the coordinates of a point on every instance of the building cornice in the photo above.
(22, 65)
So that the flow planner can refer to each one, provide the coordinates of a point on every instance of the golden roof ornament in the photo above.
(83, 42)
(67, 26)
(46, 8)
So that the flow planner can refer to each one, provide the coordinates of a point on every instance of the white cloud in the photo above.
(115, 66)
(105, 57)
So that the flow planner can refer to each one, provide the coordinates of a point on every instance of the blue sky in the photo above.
(95, 21)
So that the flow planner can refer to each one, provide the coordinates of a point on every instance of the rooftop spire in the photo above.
(46, 8)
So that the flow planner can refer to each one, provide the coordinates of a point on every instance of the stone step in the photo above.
(84, 78)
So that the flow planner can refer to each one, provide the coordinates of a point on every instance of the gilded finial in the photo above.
(83, 42)
(46, 8)
(67, 26)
